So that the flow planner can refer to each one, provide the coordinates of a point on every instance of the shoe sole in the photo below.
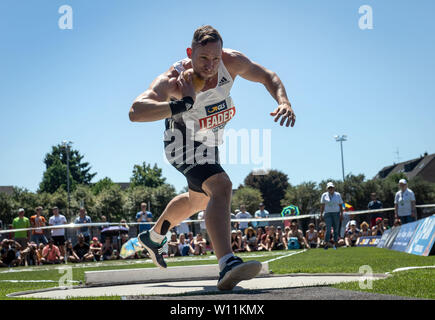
(151, 253)
(245, 271)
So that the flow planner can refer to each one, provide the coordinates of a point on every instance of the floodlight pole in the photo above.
(341, 139)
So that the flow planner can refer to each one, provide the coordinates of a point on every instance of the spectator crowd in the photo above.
(337, 228)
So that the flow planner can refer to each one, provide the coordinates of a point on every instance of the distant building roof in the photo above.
(423, 167)
(123, 185)
(7, 189)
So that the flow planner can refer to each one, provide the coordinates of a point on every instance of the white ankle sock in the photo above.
(223, 260)
(154, 236)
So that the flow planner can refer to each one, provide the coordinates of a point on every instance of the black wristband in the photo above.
(182, 105)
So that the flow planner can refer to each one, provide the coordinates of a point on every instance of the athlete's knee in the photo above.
(218, 185)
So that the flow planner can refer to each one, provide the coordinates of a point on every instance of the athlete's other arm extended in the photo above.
(252, 71)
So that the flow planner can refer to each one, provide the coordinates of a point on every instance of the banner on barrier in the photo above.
(388, 238)
(423, 238)
(368, 241)
(404, 236)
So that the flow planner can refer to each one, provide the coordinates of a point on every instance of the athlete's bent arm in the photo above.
(152, 105)
(252, 71)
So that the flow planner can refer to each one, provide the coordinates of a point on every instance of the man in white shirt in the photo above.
(261, 213)
(404, 203)
(58, 235)
(332, 210)
(243, 214)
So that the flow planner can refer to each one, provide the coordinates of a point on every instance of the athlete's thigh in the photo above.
(218, 183)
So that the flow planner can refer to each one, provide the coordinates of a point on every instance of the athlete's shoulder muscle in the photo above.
(239, 64)
(162, 87)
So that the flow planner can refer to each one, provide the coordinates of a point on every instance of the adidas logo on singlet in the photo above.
(223, 81)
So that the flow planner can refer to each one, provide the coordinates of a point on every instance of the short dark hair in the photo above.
(204, 35)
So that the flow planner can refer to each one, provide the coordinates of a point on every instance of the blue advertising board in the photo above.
(423, 238)
(385, 236)
(368, 241)
(404, 236)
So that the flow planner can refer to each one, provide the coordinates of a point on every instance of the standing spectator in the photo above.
(183, 227)
(100, 228)
(82, 219)
(234, 225)
(243, 214)
(51, 254)
(82, 249)
(203, 229)
(144, 216)
(332, 210)
(250, 239)
(404, 203)
(312, 236)
(200, 245)
(96, 248)
(21, 222)
(374, 204)
(58, 235)
(365, 230)
(38, 221)
(262, 213)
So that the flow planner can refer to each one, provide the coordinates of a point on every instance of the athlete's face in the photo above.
(206, 59)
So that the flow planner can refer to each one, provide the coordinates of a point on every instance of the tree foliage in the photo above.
(248, 196)
(144, 175)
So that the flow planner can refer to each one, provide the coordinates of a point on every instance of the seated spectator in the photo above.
(173, 249)
(29, 256)
(250, 239)
(236, 244)
(96, 248)
(378, 229)
(184, 246)
(271, 239)
(296, 233)
(242, 243)
(107, 251)
(82, 249)
(365, 230)
(397, 222)
(321, 234)
(10, 255)
(39, 251)
(352, 235)
(260, 233)
(200, 245)
(191, 239)
(71, 256)
(386, 224)
(312, 236)
(281, 241)
(51, 254)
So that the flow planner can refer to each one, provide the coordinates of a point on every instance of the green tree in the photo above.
(55, 174)
(144, 175)
(248, 196)
(83, 196)
(110, 203)
(272, 186)
(305, 195)
(101, 185)
(7, 213)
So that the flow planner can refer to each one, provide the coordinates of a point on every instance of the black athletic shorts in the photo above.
(195, 172)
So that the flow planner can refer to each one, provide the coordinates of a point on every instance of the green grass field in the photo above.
(415, 283)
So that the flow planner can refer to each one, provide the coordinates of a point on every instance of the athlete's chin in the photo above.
(207, 75)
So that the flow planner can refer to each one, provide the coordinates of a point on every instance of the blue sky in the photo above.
(376, 86)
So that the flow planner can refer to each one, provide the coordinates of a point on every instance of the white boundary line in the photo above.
(285, 256)
(411, 268)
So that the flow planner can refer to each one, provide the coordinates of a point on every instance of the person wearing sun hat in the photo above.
(250, 239)
(404, 203)
(332, 210)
